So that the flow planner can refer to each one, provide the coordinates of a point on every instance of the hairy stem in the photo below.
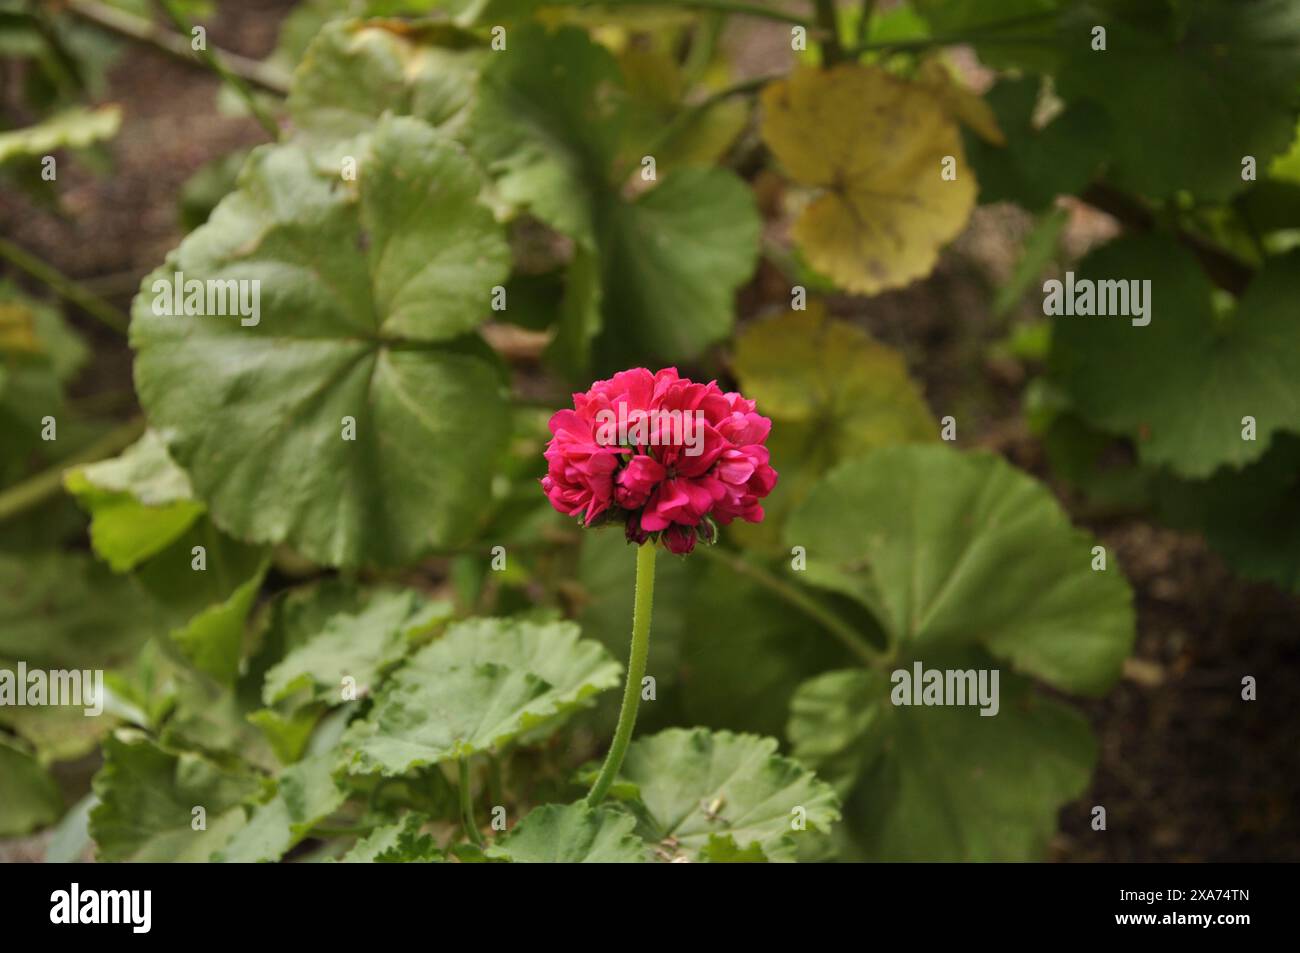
(466, 808)
(636, 662)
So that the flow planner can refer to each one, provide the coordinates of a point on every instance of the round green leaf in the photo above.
(485, 682)
(944, 783)
(355, 71)
(953, 549)
(572, 834)
(547, 124)
(29, 797)
(694, 786)
(1181, 385)
(360, 294)
(147, 797)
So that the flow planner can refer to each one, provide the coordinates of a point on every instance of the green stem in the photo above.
(636, 662)
(228, 76)
(64, 287)
(850, 637)
(466, 808)
(864, 21)
(31, 493)
(832, 51)
(720, 6)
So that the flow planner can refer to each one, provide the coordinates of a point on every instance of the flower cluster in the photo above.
(664, 454)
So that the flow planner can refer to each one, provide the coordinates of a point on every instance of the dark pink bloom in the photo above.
(662, 453)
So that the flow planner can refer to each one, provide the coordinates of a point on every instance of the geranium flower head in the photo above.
(669, 457)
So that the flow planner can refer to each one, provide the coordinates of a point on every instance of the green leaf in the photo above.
(59, 732)
(944, 783)
(362, 294)
(572, 834)
(74, 128)
(64, 610)
(1218, 82)
(547, 125)
(694, 785)
(307, 794)
(1039, 161)
(1007, 33)
(672, 260)
(138, 502)
(730, 617)
(934, 542)
(1251, 517)
(397, 843)
(361, 645)
(147, 800)
(652, 276)
(485, 682)
(29, 798)
(1181, 385)
(214, 639)
(356, 71)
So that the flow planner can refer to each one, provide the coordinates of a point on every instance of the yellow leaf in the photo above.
(833, 392)
(877, 146)
(18, 330)
(961, 103)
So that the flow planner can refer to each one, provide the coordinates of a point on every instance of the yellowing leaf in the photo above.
(18, 330)
(961, 103)
(877, 146)
(833, 392)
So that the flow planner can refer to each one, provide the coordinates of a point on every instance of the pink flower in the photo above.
(662, 453)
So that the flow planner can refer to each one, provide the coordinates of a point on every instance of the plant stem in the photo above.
(850, 637)
(64, 287)
(864, 21)
(832, 51)
(228, 76)
(30, 493)
(128, 25)
(721, 6)
(466, 808)
(636, 662)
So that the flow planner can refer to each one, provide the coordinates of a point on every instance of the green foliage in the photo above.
(374, 343)
(572, 834)
(291, 576)
(1216, 368)
(484, 684)
(696, 793)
